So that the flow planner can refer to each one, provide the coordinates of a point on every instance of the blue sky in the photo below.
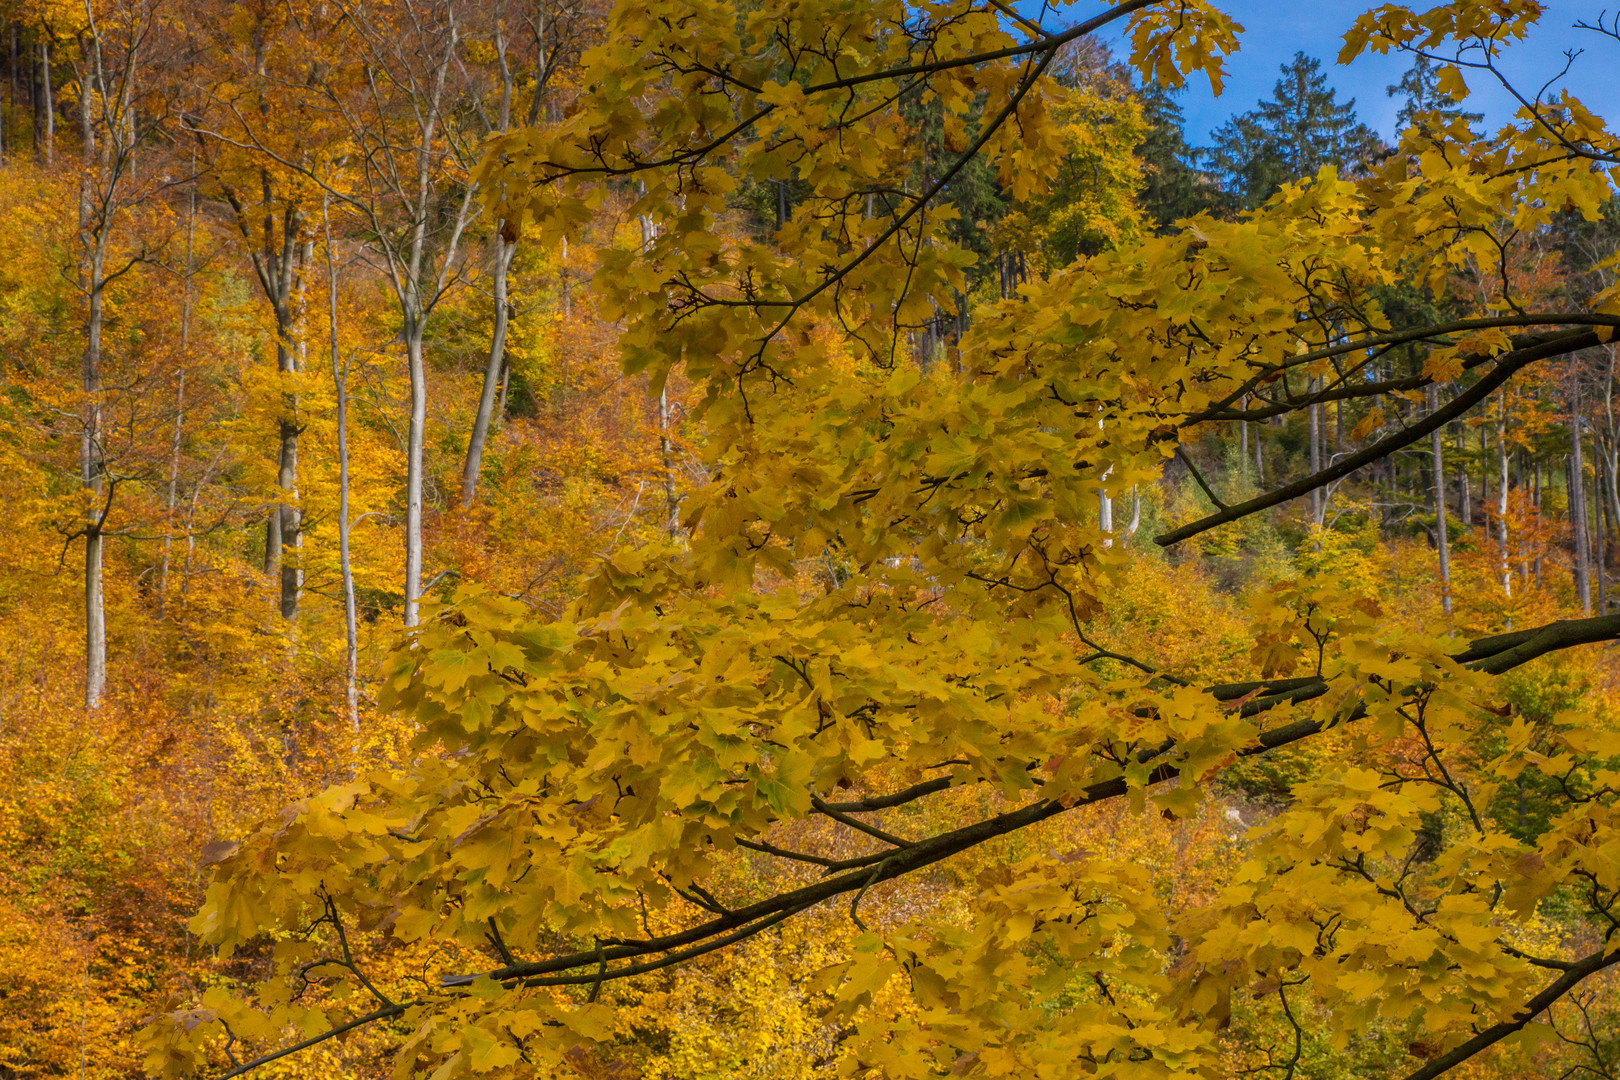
(1276, 29)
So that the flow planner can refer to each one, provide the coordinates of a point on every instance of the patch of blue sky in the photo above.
(1274, 30)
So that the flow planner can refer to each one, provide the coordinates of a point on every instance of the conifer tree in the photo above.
(1302, 128)
(1423, 99)
(1173, 186)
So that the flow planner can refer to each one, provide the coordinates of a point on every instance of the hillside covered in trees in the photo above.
(800, 539)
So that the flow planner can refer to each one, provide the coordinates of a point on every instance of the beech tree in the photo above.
(581, 780)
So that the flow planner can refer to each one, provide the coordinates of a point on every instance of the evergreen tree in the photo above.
(1173, 187)
(1423, 98)
(1302, 128)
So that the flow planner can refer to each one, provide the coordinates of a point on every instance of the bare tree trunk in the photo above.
(505, 249)
(1502, 495)
(176, 440)
(567, 287)
(281, 268)
(1537, 501)
(1243, 432)
(492, 374)
(1441, 540)
(672, 502)
(340, 385)
(93, 235)
(1600, 554)
(1259, 462)
(90, 473)
(291, 515)
(13, 69)
(286, 512)
(47, 106)
(413, 464)
(1318, 499)
(1577, 503)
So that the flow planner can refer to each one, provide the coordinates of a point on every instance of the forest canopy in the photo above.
(801, 538)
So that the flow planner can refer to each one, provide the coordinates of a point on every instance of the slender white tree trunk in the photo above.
(1506, 570)
(672, 502)
(1441, 540)
(505, 248)
(93, 481)
(493, 370)
(340, 385)
(47, 104)
(1243, 432)
(177, 437)
(1577, 503)
(413, 464)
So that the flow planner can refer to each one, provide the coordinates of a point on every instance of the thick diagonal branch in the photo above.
(1505, 368)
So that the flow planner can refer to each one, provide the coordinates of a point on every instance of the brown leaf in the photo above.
(1529, 864)
(217, 851)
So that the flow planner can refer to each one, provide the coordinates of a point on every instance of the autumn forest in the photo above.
(802, 539)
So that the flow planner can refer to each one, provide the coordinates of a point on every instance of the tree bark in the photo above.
(47, 106)
(1600, 552)
(1315, 434)
(1502, 496)
(505, 249)
(176, 439)
(340, 386)
(1577, 503)
(567, 286)
(672, 502)
(280, 266)
(1441, 540)
(492, 374)
(13, 69)
(1259, 460)
(94, 229)
(414, 328)
(1243, 433)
